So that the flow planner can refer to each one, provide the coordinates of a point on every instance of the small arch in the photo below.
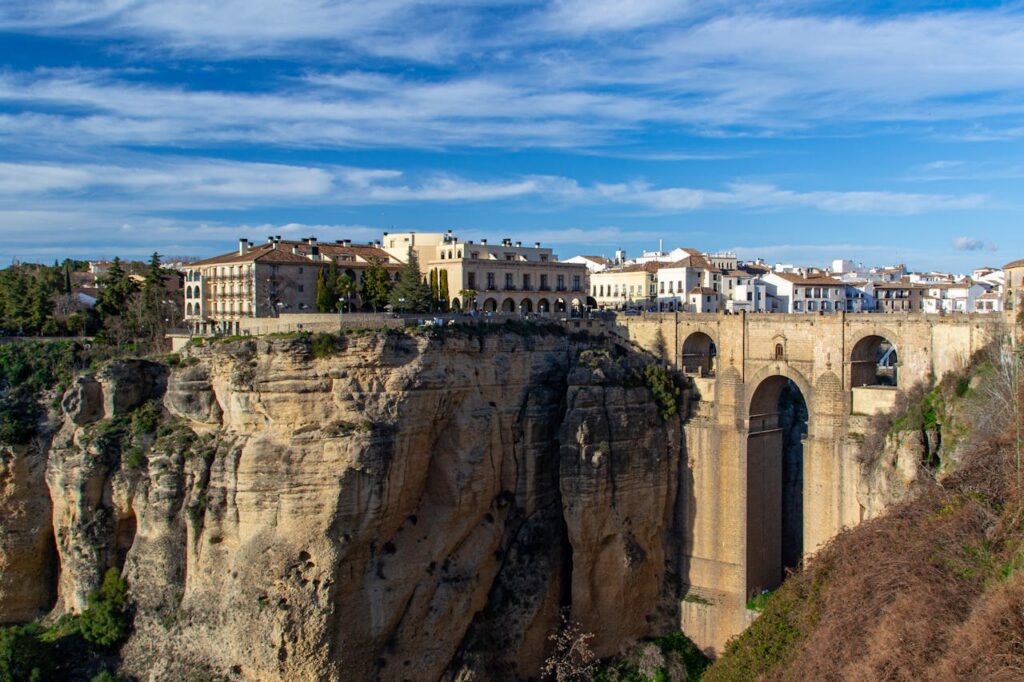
(874, 362)
(490, 305)
(508, 306)
(780, 352)
(591, 302)
(698, 354)
(543, 306)
(526, 306)
(188, 309)
(560, 305)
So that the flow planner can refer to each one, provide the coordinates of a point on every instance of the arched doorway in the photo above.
(560, 305)
(874, 362)
(543, 306)
(490, 305)
(508, 306)
(526, 306)
(778, 425)
(699, 353)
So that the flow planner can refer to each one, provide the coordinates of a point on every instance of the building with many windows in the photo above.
(626, 287)
(269, 279)
(504, 277)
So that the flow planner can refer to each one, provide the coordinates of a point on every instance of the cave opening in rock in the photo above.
(124, 537)
(775, 449)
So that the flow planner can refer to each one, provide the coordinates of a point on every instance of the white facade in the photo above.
(797, 294)
(673, 284)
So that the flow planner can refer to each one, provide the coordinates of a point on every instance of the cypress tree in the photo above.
(443, 290)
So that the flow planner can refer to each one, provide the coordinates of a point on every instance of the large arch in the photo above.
(874, 361)
(543, 306)
(778, 422)
(508, 306)
(698, 354)
(526, 306)
(490, 305)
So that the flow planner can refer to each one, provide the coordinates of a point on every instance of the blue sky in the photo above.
(798, 131)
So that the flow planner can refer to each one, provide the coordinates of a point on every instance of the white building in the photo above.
(952, 298)
(800, 294)
(592, 263)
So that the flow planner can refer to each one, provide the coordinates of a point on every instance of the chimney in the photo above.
(483, 242)
(536, 245)
(519, 244)
(312, 241)
(295, 249)
(346, 242)
(243, 246)
(314, 252)
(270, 239)
(277, 238)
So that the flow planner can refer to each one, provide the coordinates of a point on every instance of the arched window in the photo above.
(780, 352)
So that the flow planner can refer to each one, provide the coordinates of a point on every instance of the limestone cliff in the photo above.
(395, 507)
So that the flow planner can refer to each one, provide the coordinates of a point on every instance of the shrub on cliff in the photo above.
(664, 389)
(23, 656)
(106, 621)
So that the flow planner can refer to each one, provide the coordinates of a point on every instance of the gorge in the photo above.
(393, 505)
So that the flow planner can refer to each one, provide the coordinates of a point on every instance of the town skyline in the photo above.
(128, 128)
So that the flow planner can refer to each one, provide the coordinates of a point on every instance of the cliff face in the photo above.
(400, 508)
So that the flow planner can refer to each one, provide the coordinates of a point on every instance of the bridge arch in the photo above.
(777, 426)
(874, 359)
(698, 352)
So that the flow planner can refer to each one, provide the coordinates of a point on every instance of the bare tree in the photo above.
(572, 659)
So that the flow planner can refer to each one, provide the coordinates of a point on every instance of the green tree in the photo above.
(116, 289)
(105, 622)
(434, 289)
(442, 290)
(411, 293)
(468, 297)
(23, 656)
(346, 289)
(376, 286)
(67, 278)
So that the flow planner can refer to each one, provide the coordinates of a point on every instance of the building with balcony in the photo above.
(268, 280)
(504, 277)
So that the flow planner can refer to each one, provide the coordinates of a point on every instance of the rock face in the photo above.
(404, 508)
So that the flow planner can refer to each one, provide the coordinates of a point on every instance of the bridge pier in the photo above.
(730, 517)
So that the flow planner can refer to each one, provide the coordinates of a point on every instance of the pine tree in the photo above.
(411, 293)
(115, 290)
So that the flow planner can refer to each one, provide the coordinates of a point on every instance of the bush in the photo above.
(105, 622)
(325, 345)
(23, 656)
(664, 389)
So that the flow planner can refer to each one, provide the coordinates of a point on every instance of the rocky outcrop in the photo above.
(28, 558)
(406, 507)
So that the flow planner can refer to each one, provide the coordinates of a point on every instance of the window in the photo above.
(490, 280)
(544, 282)
(301, 289)
(471, 280)
(575, 282)
(526, 282)
(780, 352)
(561, 283)
(300, 269)
(508, 281)
(750, 296)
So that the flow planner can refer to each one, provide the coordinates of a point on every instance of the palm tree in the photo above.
(346, 289)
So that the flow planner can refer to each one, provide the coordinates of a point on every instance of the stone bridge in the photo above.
(767, 483)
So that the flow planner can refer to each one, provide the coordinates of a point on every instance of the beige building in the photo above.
(269, 279)
(1013, 287)
(629, 286)
(507, 277)
(899, 297)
